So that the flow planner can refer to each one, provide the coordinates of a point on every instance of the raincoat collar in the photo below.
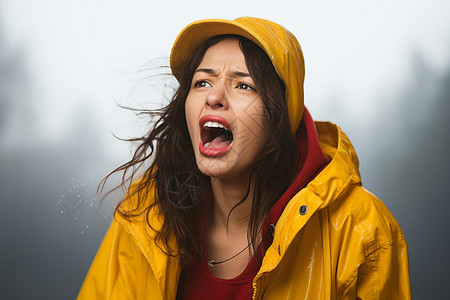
(312, 161)
(331, 183)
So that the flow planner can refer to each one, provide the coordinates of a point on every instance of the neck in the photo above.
(226, 194)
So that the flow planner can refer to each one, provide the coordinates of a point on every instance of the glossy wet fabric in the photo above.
(334, 240)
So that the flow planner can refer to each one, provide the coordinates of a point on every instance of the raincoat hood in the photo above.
(280, 45)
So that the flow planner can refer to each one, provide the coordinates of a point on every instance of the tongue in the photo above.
(219, 142)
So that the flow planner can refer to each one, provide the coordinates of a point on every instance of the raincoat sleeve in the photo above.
(383, 270)
(384, 275)
(112, 274)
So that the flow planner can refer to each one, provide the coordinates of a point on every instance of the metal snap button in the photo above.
(303, 210)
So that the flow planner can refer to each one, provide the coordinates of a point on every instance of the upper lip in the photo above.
(214, 118)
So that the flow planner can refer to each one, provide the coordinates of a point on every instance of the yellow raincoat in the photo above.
(346, 246)
(334, 239)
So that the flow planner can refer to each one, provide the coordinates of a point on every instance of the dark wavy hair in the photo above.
(180, 190)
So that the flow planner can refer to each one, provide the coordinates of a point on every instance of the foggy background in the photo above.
(379, 69)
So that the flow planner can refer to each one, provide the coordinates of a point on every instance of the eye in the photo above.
(201, 83)
(245, 86)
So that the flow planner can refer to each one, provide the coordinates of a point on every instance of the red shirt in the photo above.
(206, 286)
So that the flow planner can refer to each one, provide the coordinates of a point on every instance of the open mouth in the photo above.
(216, 136)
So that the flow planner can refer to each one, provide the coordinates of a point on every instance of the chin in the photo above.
(213, 167)
(224, 168)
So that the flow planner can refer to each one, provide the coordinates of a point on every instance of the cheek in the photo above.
(257, 127)
(254, 119)
(191, 119)
(252, 134)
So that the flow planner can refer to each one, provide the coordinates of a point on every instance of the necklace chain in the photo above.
(212, 263)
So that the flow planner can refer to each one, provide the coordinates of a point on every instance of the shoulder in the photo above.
(368, 248)
(113, 272)
(367, 218)
(139, 207)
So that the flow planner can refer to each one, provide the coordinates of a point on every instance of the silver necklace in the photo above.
(212, 263)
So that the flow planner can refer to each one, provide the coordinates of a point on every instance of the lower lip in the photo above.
(213, 152)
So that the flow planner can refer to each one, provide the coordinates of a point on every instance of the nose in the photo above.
(216, 98)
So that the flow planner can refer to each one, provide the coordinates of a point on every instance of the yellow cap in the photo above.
(280, 45)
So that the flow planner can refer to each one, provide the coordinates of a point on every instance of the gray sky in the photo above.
(85, 52)
(379, 69)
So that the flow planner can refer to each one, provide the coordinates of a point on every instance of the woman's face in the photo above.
(224, 113)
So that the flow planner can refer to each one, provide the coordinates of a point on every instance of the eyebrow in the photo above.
(212, 72)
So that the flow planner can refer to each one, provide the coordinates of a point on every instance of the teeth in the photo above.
(207, 145)
(213, 124)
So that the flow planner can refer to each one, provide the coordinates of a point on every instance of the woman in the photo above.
(246, 196)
